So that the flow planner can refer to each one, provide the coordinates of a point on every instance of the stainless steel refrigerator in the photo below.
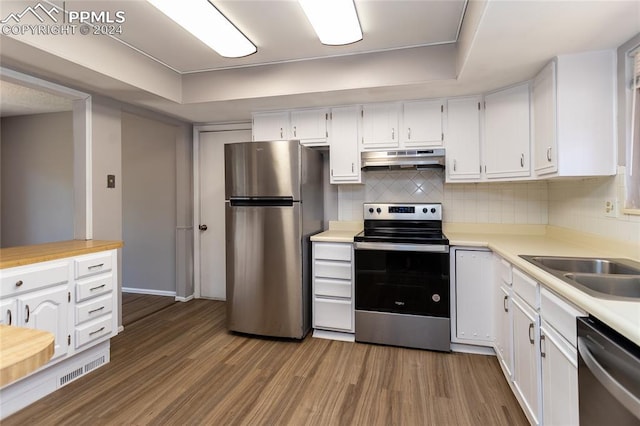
(273, 205)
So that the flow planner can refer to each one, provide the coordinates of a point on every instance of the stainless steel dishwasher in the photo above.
(608, 376)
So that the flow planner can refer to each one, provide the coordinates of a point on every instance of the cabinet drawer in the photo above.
(340, 270)
(526, 288)
(94, 308)
(93, 264)
(332, 251)
(94, 330)
(28, 278)
(94, 287)
(560, 314)
(503, 270)
(334, 314)
(332, 288)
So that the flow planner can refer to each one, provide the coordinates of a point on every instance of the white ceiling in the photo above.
(407, 53)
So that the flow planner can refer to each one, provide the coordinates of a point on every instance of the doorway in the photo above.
(210, 242)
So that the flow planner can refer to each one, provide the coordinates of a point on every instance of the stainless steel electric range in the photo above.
(402, 277)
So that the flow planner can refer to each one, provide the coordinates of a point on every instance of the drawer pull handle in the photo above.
(542, 353)
(97, 288)
(19, 283)
(9, 316)
(96, 310)
(97, 331)
(504, 303)
(99, 265)
(28, 312)
(531, 339)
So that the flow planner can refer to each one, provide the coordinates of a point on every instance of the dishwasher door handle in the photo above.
(618, 391)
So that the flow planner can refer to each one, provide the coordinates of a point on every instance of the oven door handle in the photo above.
(616, 389)
(428, 248)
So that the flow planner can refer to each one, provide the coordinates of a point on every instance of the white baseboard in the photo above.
(472, 349)
(184, 299)
(148, 291)
(334, 335)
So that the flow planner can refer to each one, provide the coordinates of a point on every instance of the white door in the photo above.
(212, 241)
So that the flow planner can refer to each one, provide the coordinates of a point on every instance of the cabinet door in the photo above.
(310, 126)
(526, 368)
(507, 133)
(422, 124)
(8, 311)
(559, 379)
(503, 319)
(463, 138)
(344, 155)
(380, 126)
(474, 299)
(271, 126)
(545, 145)
(48, 310)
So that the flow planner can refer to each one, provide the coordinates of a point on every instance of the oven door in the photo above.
(402, 278)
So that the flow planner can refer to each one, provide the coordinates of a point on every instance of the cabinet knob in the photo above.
(549, 154)
(521, 160)
(19, 283)
(202, 227)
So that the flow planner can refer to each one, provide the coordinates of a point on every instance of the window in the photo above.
(632, 177)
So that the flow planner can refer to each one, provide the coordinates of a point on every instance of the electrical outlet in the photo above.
(611, 208)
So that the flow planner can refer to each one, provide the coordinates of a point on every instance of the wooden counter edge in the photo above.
(22, 351)
(25, 255)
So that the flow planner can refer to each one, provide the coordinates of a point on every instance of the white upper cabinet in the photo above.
(573, 115)
(506, 137)
(310, 126)
(463, 139)
(380, 126)
(422, 124)
(344, 155)
(271, 126)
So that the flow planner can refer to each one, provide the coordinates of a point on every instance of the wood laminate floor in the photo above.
(180, 366)
(137, 306)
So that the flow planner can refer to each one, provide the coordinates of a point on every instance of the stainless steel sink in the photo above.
(586, 265)
(616, 285)
(605, 278)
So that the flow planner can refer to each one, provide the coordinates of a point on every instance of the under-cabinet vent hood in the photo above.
(395, 160)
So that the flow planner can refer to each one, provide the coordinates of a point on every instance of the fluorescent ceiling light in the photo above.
(203, 20)
(335, 21)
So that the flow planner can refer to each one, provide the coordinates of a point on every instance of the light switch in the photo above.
(111, 181)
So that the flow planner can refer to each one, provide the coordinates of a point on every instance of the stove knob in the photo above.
(370, 209)
(433, 209)
(379, 210)
(425, 210)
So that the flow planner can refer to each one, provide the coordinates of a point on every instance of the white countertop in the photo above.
(339, 232)
(512, 241)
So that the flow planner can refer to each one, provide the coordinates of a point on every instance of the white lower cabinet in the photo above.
(333, 308)
(559, 379)
(526, 365)
(75, 300)
(558, 341)
(473, 297)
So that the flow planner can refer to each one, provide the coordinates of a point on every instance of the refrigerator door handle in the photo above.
(261, 202)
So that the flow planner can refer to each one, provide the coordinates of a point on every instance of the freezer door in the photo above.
(262, 169)
(264, 271)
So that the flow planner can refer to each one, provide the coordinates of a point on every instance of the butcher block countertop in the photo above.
(25, 255)
(511, 241)
(23, 350)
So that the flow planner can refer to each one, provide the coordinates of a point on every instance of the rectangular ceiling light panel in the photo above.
(204, 21)
(335, 21)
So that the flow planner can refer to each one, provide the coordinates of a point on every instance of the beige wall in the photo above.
(37, 178)
(149, 204)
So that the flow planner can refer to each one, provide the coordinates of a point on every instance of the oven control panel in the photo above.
(381, 211)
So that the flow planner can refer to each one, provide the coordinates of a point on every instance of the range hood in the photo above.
(401, 160)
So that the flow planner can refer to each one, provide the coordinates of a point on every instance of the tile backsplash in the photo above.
(580, 205)
(523, 202)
